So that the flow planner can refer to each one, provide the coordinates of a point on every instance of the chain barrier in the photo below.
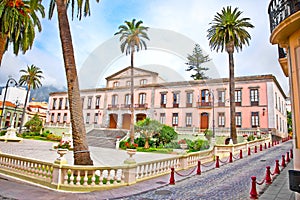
(260, 183)
(235, 158)
(209, 165)
(184, 175)
(224, 161)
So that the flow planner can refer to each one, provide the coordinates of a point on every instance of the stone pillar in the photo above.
(130, 174)
(57, 174)
(184, 161)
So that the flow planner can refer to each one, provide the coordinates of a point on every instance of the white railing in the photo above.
(89, 178)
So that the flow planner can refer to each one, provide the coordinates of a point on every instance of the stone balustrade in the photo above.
(61, 176)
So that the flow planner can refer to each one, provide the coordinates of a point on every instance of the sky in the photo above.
(190, 18)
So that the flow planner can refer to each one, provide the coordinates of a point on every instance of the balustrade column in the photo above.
(183, 162)
(130, 173)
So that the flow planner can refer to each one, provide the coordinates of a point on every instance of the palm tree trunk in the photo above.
(132, 98)
(23, 112)
(232, 92)
(81, 151)
(3, 40)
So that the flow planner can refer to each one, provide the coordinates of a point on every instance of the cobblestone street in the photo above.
(230, 181)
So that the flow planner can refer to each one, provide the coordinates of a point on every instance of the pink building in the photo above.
(186, 105)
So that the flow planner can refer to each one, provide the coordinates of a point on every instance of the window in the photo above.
(254, 97)
(96, 118)
(65, 118)
(54, 103)
(221, 98)
(238, 97)
(276, 106)
(60, 103)
(188, 119)
(162, 118)
(82, 102)
(189, 99)
(175, 100)
(52, 117)
(58, 117)
(142, 98)
(87, 119)
(238, 119)
(128, 83)
(163, 100)
(175, 119)
(279, 104)
(205, 98)
(116, 84)
(97, 103)
(254, 119)
(127, 100)
(66, 103)
(89, 103)
(114, 100)
(277, 124)
(143, 81)
(221, 119)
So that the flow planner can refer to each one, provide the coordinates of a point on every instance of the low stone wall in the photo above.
(61, 176)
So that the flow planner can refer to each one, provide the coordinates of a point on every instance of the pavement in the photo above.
(230, 181)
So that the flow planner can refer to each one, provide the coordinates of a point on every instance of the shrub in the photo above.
(172, 145)
(200, 145)
(2, 133)
(167, 134)
(54, 137)
(35, 124)
(250, 138)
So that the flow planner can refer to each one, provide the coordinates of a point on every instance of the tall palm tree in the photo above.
(132, 36)
(32, 79)
(18, 20)
(228, 31)
(81, 150)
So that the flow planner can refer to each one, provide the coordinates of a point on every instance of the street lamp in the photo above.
(9, 81)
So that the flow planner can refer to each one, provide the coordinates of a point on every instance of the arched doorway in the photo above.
(113, 119)
(204, 121)
(140, 117)
(126, 121)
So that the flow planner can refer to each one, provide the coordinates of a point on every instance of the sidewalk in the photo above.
(279, 189)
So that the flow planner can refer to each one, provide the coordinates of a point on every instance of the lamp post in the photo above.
(211, 92)
(9, 81)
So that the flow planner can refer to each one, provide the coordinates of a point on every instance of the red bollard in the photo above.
(249, 151)
(260, 147)
(230, 157)
(265, 145)
(253, 192)
(172, 179)
(199, 168)
(277, 170)
(268, 175)
(217, 162)
(291, 152)
(283, 161)
(269, 146)
(241, 153)
(255, 149)
(288, 157)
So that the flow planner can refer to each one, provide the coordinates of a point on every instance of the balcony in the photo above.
(141, 106)
(204, 104)
(125, 106)
(279, 11)
(113, 106)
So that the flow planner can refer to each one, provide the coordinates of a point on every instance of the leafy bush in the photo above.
(166, 135)
(45, 133)
(250, 138)
(2, 133)
(200, 145)
(172, 145)
(140, 141)
(35, 124)
(54, 137)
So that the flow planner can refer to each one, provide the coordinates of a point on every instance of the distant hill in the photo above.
(42, 94)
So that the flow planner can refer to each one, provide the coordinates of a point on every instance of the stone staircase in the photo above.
(105, 138)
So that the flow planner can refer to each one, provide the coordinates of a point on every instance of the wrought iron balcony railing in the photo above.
(281, 9)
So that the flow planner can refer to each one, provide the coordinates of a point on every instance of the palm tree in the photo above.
(81, 150)
(132, 35)
(32, 79)
(227, 32)
(18, 21)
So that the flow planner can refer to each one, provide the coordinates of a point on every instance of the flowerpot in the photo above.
(61, 159)
(183, 146)
(130, 160)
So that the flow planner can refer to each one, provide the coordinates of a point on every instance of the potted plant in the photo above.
(183, 144)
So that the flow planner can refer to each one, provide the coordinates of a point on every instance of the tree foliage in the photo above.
(35, 124)
(195, 62)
